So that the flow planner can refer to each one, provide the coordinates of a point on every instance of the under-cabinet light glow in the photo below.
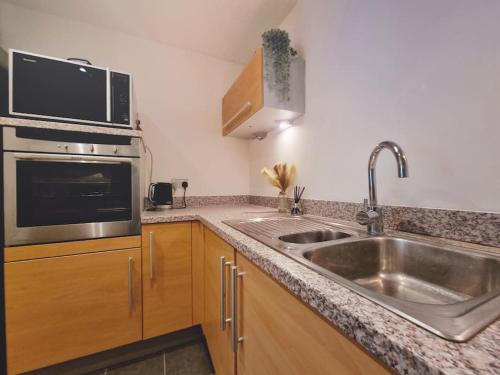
(284, 124)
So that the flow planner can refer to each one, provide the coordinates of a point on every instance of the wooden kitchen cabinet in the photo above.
(166, 273)
(281, 335)
(245, 97)
(198, 267)
(252, 106)
(66, 307)
(218, 252)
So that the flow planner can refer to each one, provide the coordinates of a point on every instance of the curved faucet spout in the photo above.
(400, 159)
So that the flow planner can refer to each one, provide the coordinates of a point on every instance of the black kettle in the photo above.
(160, 193)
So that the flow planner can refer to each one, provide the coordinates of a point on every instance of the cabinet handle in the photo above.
(245, 106)
(130, 283)
(235, 338)
(222, 273)
(151, 256)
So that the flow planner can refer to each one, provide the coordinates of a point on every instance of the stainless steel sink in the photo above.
(314, 236)
(451, 291)
(411, 271)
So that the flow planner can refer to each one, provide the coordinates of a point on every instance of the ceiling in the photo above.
(227, 29)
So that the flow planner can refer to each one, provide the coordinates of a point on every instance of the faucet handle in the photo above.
(367, 216)
(362, 216)
(365, 204)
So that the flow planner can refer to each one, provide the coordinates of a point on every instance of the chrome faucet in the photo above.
(371, 214)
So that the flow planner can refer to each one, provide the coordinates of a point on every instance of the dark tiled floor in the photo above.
(190, 359)
(153, 366)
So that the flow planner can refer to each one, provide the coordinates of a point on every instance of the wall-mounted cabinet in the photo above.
(253, 106)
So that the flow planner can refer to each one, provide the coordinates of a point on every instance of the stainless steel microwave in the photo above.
(49, 88)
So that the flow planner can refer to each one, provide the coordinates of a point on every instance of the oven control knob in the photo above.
(91, 148)
(66, 147)
(115, 150)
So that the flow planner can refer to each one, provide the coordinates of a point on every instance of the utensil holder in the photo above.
(296, 209)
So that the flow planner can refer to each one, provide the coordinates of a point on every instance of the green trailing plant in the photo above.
(277, 58)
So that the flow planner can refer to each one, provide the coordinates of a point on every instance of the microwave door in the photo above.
(44, 87)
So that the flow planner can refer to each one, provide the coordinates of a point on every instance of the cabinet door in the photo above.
(166, 272)
(245, 97)
(198, 267)
(63, 308)
(219, 341)
(281, 335)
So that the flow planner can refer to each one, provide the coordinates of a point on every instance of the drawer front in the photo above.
(15, 253)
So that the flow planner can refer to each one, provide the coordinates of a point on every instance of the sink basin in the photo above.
(409, 270)
(453, 292)
(314, 236)
(450, 291)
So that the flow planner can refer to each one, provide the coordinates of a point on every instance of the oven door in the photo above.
(60, 197)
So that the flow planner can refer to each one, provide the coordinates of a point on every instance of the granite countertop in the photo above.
(400, 344)
(13, 121)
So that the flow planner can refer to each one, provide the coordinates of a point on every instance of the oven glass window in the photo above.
(54, 193)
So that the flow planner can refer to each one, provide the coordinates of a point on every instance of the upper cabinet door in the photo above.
(219, 256)
(282, 336)
(63, 308)
(166, 273)
(254, 105)
(245, 97)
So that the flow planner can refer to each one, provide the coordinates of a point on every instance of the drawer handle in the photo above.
(130, 283)
(245, 106)
(222, 274)
(235, 338)
(151, 256)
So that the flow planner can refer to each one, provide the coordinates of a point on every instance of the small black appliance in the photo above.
(160, 194)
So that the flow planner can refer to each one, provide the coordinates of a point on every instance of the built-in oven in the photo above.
(63, 186)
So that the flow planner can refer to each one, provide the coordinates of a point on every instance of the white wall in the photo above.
(425, 74)
(178, 95)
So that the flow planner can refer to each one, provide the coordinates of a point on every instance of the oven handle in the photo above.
(72, 158)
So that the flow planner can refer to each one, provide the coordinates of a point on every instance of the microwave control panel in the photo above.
(120, 98)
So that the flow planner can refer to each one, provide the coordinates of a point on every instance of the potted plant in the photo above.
(281, 176)
(277, 59)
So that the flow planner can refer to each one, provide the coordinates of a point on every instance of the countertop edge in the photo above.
(21, 122)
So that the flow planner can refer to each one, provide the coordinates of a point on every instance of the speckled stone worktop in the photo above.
(403, 346)
(14, 121)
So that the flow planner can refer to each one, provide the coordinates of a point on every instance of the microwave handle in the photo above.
(71, 158)
(77, 59)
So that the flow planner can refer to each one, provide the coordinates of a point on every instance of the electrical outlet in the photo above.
(177, 184)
